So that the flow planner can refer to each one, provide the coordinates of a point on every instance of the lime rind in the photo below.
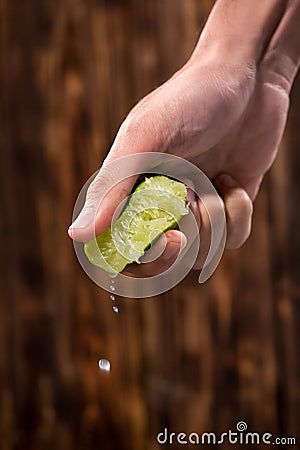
(155, 206)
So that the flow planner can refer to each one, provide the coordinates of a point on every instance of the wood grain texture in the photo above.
(194, 359)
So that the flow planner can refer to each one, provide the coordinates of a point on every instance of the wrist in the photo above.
(236, 33)
(228, 50)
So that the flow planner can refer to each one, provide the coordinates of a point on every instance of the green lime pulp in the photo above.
(156, 205)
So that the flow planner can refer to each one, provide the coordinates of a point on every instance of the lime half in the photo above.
(156, 205)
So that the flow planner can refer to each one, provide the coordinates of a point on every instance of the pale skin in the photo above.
(225, 110)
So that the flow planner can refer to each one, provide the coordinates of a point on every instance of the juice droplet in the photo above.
(104, 365)
(112, 297)
(112, 288)
(115, 309)
(112, 275)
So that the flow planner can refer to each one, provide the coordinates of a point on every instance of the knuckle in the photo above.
(130, 126)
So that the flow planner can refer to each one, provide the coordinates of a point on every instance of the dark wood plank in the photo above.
(199, 358)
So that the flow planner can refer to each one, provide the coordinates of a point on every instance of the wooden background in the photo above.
(195, 359)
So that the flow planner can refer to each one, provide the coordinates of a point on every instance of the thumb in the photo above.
(138, 134)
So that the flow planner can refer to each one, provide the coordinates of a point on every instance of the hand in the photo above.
(228, 119)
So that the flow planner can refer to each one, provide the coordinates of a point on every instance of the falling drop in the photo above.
(104, 365)
(112, 275)
(112, 296)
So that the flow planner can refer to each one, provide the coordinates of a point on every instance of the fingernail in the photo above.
(171, 251)
(226, 181)
(173, 248)
(85, 218)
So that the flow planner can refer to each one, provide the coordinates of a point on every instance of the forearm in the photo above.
(238, 31)
(236, 26)
(283, 52)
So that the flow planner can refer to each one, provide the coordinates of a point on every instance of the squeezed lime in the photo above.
(156, 205)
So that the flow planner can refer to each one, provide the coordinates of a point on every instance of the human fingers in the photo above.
(167, 248)
(171, 243)
(238, 208)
